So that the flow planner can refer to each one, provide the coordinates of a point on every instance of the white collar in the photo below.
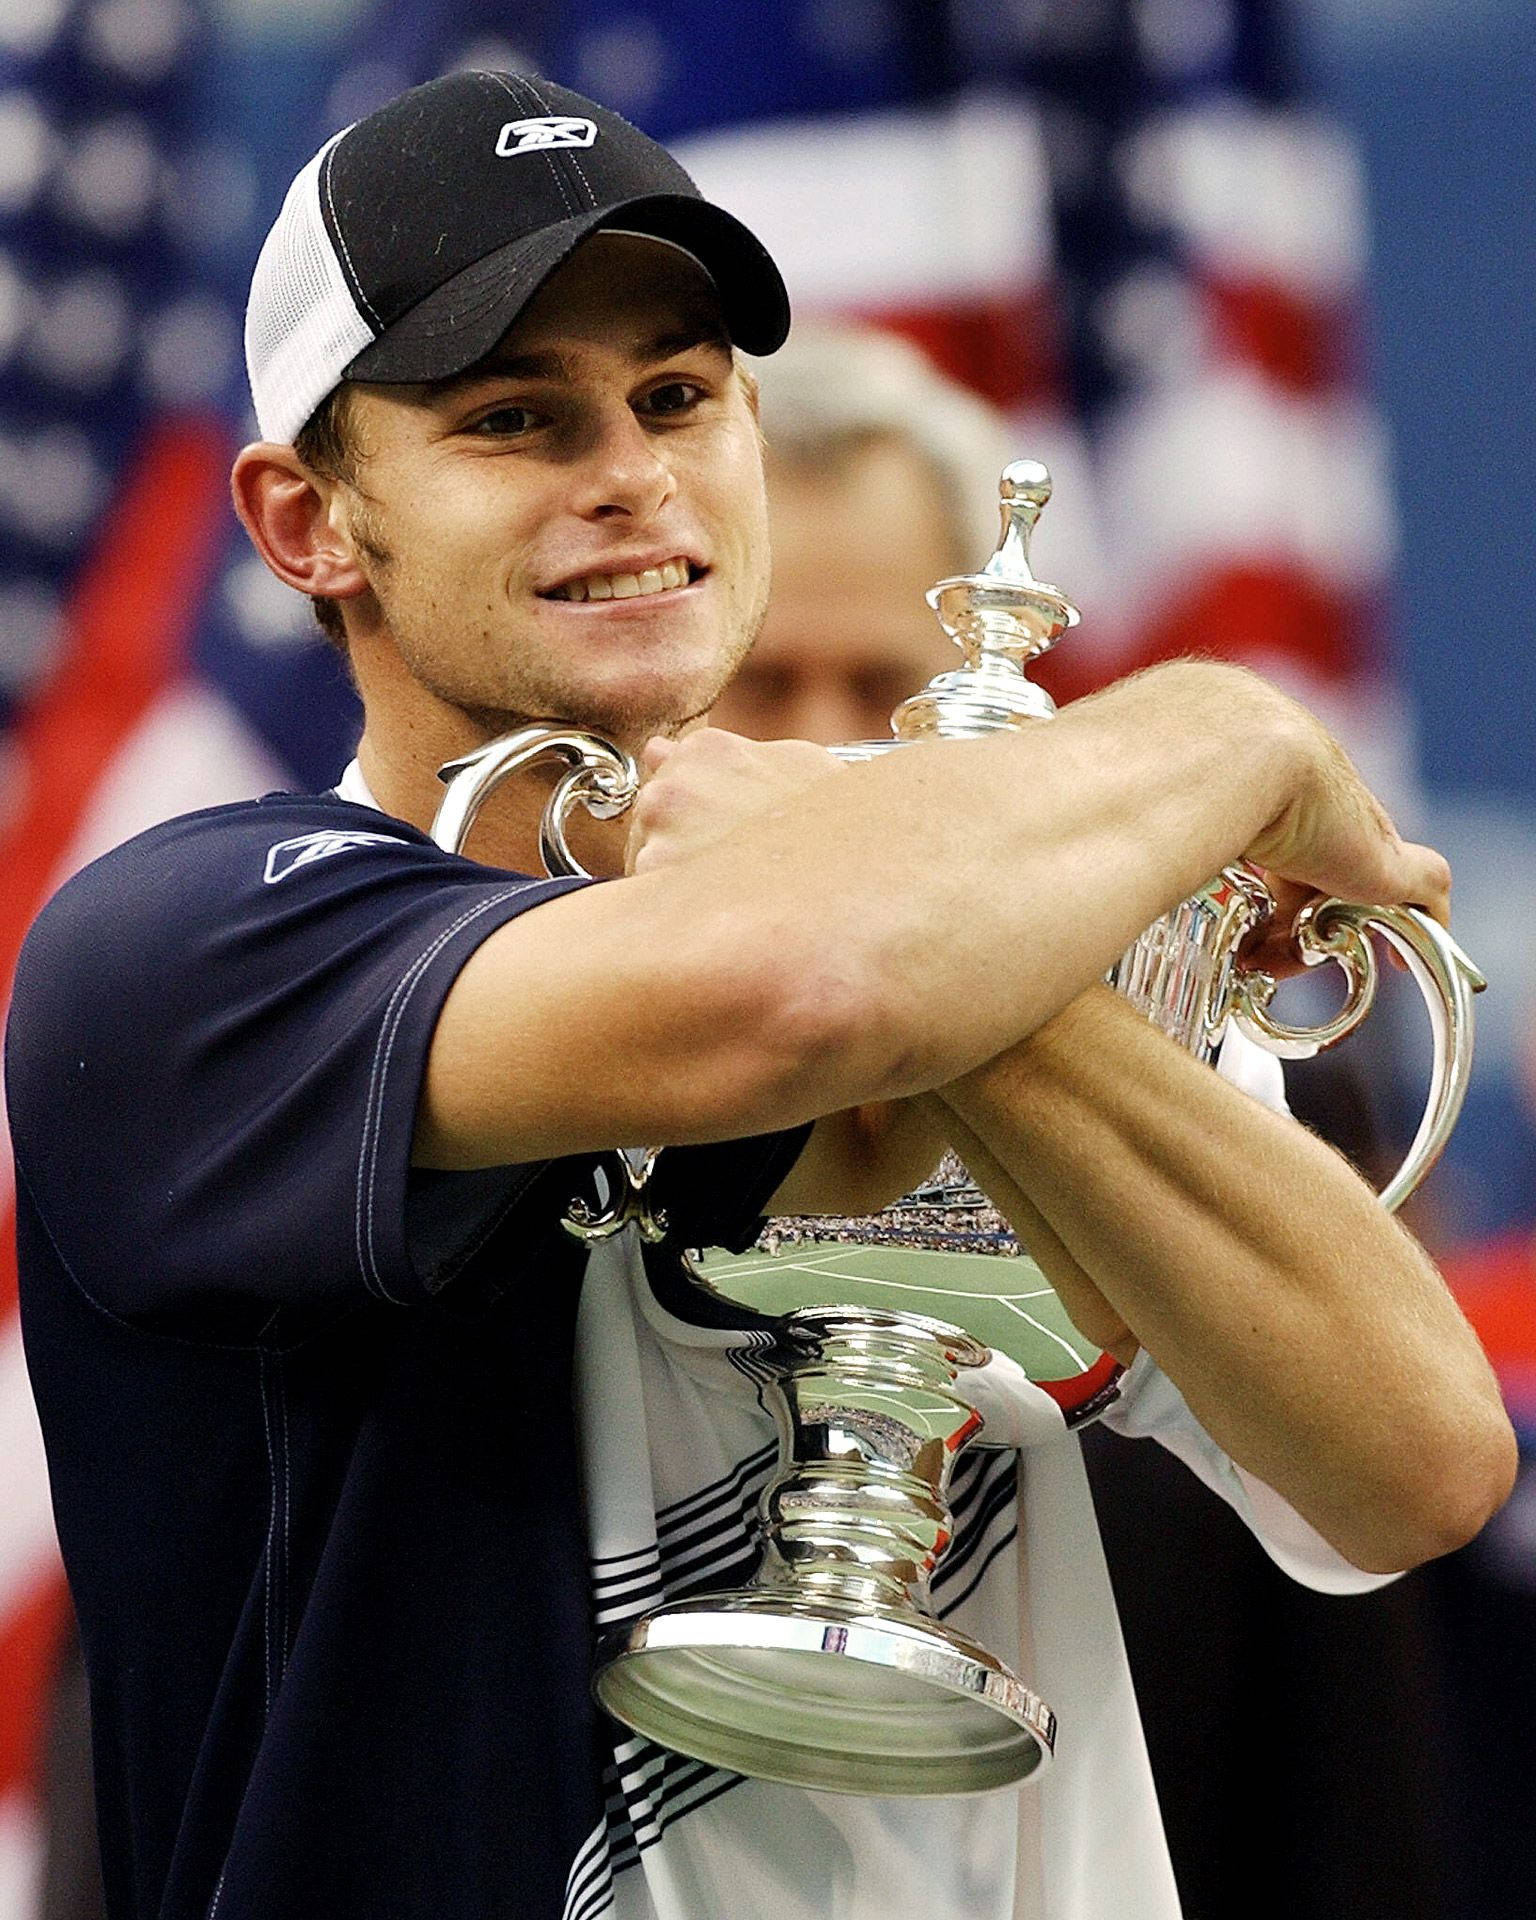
(352, 786)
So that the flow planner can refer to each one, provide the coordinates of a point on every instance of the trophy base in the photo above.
(819, 1693)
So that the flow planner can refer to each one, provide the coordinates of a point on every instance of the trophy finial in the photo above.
(1021, 494)
(1027, 482)
(1001, 618)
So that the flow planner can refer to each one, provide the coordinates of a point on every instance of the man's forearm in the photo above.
(876, 932)
(1309, 1333)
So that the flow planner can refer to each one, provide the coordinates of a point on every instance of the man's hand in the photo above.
(1333, 836)
(697, 789)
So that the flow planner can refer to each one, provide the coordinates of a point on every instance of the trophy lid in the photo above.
(1001, 618)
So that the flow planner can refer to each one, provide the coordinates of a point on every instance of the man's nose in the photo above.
(625, 471)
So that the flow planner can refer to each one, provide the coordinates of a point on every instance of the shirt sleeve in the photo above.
(216, 1049)
(1253, 1068)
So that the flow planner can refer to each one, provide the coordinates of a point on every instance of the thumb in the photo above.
(1428, 881)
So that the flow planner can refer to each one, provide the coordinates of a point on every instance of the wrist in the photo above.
(1033, 1077)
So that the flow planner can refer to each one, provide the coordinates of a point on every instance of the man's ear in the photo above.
(286, 510)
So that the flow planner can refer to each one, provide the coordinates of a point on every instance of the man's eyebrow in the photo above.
(708, 332)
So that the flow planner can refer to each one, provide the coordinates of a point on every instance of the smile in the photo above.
(626, 586)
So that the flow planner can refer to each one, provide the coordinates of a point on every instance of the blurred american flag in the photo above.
(1117, 220)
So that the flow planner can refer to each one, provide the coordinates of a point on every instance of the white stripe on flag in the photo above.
(916, 207)
(21, 1859)
(1256, 194)
(1225, 467)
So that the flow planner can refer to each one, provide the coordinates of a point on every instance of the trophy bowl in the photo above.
(831, 1669)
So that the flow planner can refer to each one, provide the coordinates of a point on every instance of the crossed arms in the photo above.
(927, 928)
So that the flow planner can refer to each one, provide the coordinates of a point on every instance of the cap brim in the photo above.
(459, 322)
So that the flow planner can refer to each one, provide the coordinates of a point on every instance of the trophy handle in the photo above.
(1339, 930)
(599, 776)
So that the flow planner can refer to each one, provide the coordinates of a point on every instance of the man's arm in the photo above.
(1308, 1331)
(1170, 1210)
(888, 927)
(861, 1160)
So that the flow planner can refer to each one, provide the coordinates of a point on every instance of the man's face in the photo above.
(576, 528)
(848, 635)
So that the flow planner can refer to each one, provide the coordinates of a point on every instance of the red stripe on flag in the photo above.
(1006, 349)
(128, 625)
(1303, 345)
(30, 1634)
(1252, 613)
(1496, 1285)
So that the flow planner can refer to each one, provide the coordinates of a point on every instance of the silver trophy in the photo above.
(831, 1669)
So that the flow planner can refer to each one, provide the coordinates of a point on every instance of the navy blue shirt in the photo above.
(307, 1410)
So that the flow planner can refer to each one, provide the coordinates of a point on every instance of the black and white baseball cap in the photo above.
(413, 240)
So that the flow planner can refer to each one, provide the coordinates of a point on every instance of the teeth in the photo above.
(626, 586)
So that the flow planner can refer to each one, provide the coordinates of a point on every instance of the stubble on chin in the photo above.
(528, 697)
(628, 720)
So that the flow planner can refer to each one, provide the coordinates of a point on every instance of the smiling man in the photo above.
(486, 597)
(341, 1422)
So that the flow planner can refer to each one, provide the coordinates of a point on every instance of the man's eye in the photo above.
(677, 396)
(506, 422)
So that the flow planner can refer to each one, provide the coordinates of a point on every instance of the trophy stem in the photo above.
(870, 1430)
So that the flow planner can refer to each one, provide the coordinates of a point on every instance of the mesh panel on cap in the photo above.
(302, 326)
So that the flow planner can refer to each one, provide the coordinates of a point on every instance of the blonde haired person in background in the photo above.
(882, 479)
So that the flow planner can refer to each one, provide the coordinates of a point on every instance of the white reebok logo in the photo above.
(548, 130)
(289, 855)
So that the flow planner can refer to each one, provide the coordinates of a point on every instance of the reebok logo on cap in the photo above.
(551, 130)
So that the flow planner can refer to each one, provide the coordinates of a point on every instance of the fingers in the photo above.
(1271, 948)
(1408, 875)
(1335, 837)
(699, 787)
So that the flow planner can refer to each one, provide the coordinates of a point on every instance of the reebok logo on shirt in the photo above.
(289, 855)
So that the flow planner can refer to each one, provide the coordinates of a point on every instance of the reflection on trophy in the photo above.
(832, 1669)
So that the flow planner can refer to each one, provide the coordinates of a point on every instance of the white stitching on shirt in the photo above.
(368, 1153)
(284, 1620)
(267, 1555)
(394, 1013)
